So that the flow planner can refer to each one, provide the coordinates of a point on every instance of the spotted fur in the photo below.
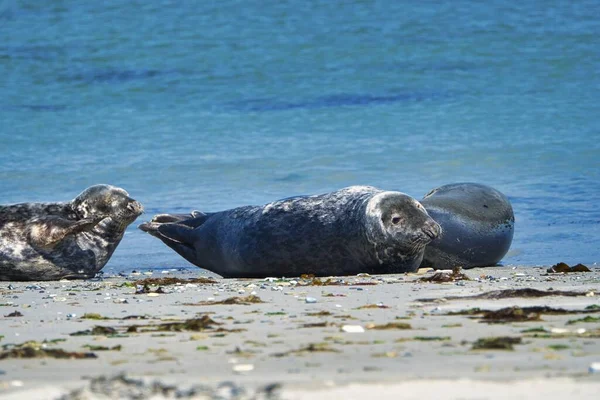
(340, 233)
(47, 241)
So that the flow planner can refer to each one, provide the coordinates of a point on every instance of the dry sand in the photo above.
(299, 343)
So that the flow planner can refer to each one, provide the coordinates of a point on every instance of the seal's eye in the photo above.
(396, 220)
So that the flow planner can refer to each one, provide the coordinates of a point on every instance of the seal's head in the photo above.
(402, 223)
(107, 201)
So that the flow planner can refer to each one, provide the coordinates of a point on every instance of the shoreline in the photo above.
(384, 333)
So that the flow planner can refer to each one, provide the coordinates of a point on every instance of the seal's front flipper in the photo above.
(177, 232)
(193, 219)
(175, 236)
(47, 232)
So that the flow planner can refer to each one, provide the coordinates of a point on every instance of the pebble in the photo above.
(594, 368)
(353, 329)
(243, 367)
(310, 300)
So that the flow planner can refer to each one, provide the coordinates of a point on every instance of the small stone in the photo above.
(594, 368)
(243, 368)
(353, 329)
(310, 300)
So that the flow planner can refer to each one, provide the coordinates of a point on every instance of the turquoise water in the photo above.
(211, 105)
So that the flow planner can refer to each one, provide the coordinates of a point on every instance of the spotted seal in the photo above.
(48, 241)
(349, 231)
(477, 226)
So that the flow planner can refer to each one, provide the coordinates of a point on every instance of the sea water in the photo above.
(210, 105)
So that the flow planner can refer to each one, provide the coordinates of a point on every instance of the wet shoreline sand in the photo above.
(346, 337)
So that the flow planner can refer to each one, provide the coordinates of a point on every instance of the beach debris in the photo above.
(359, 280)
(247, 300)
(97, 330)
(594, 368)
(496, 343)
(371, 306)
(511, 314)
(442, 277)
(14, 314)
(558, 347)
(123, 387)
(510, 293)
(323, 324)
(194, 324)
(145, 289)
(353, 329)
(310, 300)
(34, 349)
(94, 316)
(588, 318)
(172, 281)
(431, 338)
(102, 348)
(517, 314)
(389, 325)
(387, 354)
(310, 348)
(239, 368)
(562, 267)
(319, 314)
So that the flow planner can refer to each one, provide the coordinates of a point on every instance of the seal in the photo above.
(477, 226)
(49, 241)
(349, 231)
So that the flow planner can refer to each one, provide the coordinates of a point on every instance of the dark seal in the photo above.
(49, 241)
(349, 231)
(477, 226)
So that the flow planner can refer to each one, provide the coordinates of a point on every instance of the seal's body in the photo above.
(49, 241)
(353, 230)
(477, 226)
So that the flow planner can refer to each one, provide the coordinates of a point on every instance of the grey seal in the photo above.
(477, 226)
(349, 231)
(49, 241)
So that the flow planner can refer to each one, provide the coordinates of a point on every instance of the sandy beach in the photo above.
(304, 338)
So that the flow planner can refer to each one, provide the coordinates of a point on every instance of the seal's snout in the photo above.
(432, 229)
(135, 207)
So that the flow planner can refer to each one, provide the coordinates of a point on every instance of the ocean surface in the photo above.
(211, 105)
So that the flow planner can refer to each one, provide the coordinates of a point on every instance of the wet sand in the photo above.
(349, 337)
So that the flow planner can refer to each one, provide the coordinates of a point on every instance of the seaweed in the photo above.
(442, 277)
(14, 314)
(251, 299)
(588, 318)
(96, 331)
(37, 350)
(310, 348)
(103, 348)
(431, 338)
(511, 293)
(195, 325)
(370, 306)
(562, 267)
(323, 324)
(171, 281)
(511, 314)
(311, 280)
(390, 325)
(557, 347)
(318, 314)
(496, 343)
(92, 316)
(517, 314)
